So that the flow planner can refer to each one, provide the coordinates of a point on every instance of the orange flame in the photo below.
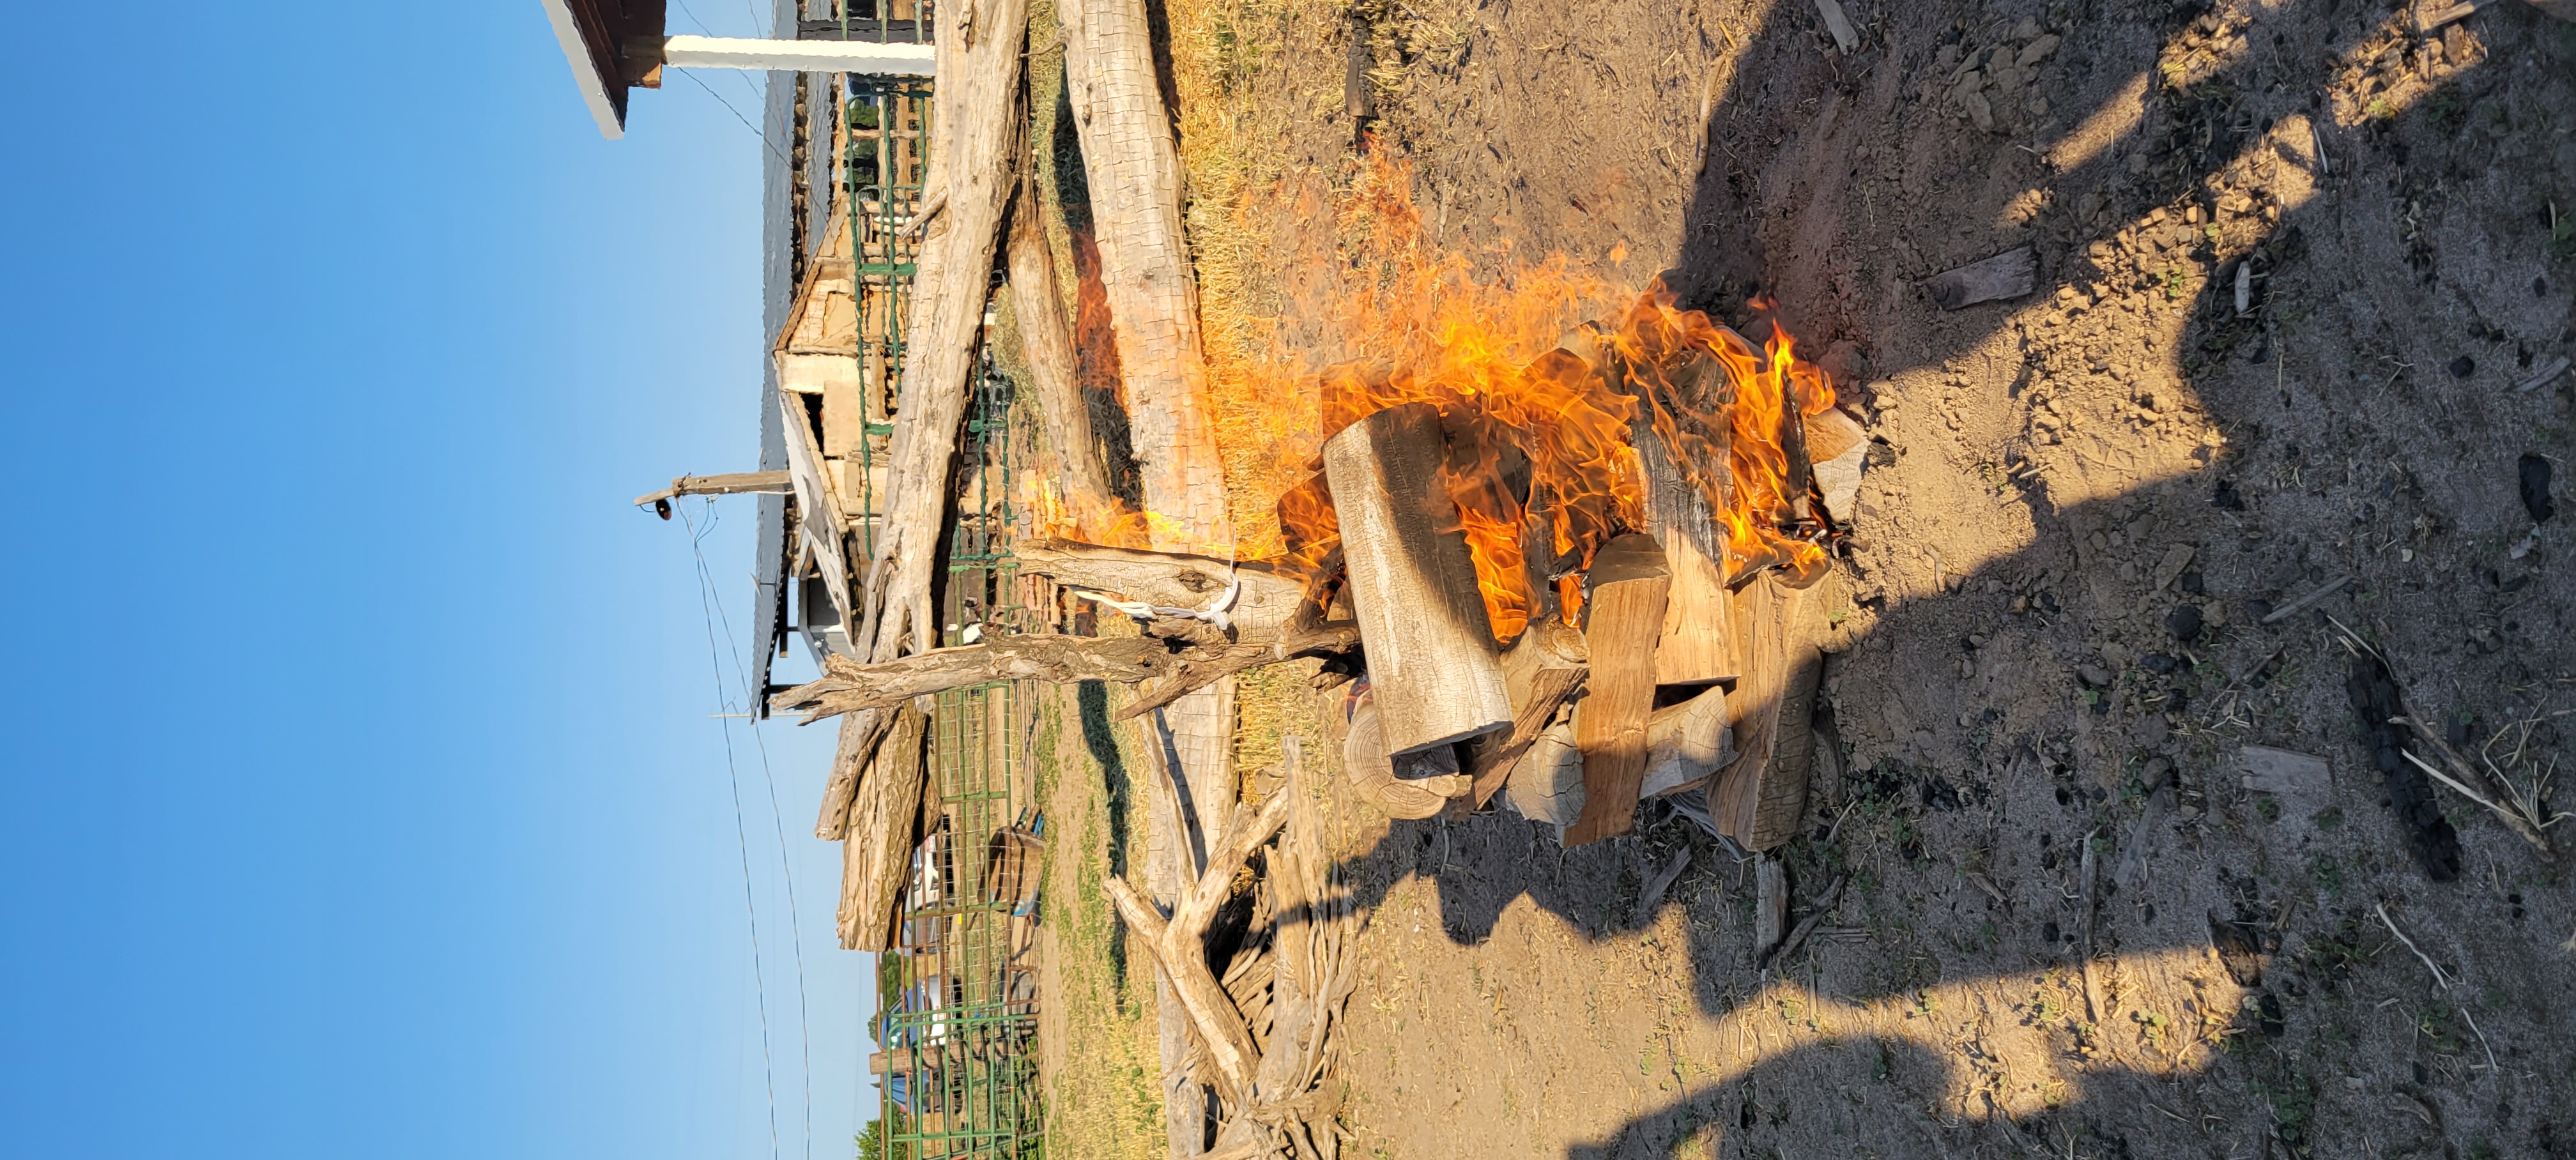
(1541, 406)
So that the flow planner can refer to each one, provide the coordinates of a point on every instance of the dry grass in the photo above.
(1101, 1056)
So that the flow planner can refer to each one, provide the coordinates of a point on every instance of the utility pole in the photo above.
(615, 47)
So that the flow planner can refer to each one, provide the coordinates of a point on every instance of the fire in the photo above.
(1540, 403)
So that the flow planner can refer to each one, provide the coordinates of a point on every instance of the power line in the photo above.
(760, 985)
(777, 825)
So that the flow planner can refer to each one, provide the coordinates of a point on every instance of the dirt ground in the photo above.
(2045, 643)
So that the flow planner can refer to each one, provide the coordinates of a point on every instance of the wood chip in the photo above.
(1653, 895)
(2320, 592)
(1840, 25)
(2550, 369)
(2281, 771)
(2009, 274)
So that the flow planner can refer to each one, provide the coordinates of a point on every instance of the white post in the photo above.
(813, 56)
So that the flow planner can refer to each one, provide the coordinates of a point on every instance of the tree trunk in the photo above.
(877, 857)
(1046, 340)
(1434, 669)
(973, 167)
(1134, 166)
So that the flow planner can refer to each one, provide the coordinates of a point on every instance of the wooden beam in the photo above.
(735, 483)
(1433, 664)
(1629, 584)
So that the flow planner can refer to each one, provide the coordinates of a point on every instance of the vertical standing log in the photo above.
(1696, 646)
(1628, 589)
(1432, 662)
(972, 179)
(1748, 798)
(1135, 169)
(877, 857)
(1046, 340)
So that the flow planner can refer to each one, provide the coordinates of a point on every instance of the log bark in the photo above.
(876, 859)
(1134, 165)
(1697, 644)
(1046, 341)
(1198, 670)
(1433, 665)
(973, 168)
(1629, 584)
(860, 733)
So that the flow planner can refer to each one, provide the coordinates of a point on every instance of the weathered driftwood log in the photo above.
(1200, 668)
(1166, 652)
(1432, 661)
(876, 858)
(1179, 943)
(972, 176)
(1754, 798)
(1697, 645)
(1135, 170)
(1046, 341)
(1543, 670)
(849, 687)
(1268, 599)
(1625, 615)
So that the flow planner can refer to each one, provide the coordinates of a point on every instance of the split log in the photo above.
(973, 168)
(1685, 744)
(1432, 660)
(1046, 341)
(1134, 166)
(1697, 644)
(1755, 799)
(1542, 670)
(849, 757)
(1838, 447)
(1628, 584)
(2006, 275)
(876, 859)
(1269, 598)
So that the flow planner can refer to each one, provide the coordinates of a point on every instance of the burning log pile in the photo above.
(1571, 581)
(1599, 566)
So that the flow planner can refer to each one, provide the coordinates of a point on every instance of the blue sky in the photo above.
(362, 795)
